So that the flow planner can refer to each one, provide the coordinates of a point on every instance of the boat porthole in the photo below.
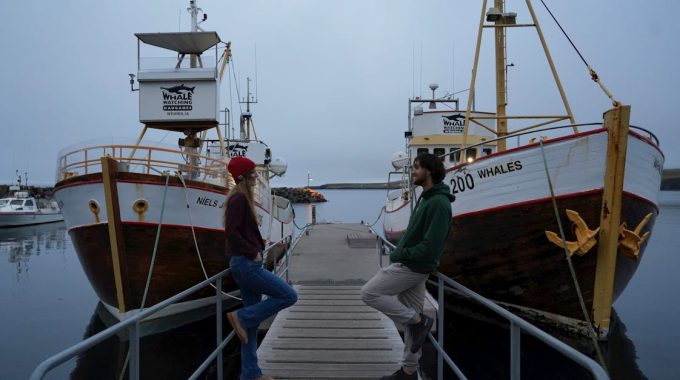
(94, 207)
(140, 205)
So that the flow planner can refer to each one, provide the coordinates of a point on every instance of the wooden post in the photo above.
(616, 121)
(109, 170)
(501, 88)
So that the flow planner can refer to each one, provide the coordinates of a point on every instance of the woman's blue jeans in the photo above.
(254, 281)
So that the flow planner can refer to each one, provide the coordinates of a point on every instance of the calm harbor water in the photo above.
(48, 305)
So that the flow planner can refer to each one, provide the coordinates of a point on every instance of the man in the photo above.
(398, 290)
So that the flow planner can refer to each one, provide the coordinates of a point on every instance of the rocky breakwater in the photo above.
(38, 192)
(299, 195)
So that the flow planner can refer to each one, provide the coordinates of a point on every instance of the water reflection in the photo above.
(20, 243)
(173, 354)
(479, 343)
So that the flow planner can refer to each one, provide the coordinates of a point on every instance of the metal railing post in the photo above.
(287, 252)
(440, 327)
(134, 351)
(515, 360)
(218, 328)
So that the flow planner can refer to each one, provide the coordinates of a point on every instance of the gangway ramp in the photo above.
(330, 334)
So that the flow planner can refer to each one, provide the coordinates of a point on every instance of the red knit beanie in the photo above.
(239, 166)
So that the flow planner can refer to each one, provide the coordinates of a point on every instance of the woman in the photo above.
(244, 247)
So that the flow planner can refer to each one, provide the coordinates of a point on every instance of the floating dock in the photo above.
(330, 333)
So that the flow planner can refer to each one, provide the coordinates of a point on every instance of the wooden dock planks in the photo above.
(330, 334)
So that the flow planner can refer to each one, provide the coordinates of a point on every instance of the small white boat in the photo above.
(21, 209)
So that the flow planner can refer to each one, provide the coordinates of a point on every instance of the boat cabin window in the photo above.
(17, 202)
(454, 157)
(4, 202)
(470, 154)
(29, 203)
(440, 152)
(487, 151)
(422, 150)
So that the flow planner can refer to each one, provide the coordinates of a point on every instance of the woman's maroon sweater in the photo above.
(243, 237)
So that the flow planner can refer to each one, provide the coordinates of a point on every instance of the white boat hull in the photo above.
(9, 219)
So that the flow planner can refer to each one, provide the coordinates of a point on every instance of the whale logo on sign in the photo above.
(453, 123)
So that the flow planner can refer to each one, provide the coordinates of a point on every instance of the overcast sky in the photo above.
(333, 76)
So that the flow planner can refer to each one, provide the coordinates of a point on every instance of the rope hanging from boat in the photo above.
(153, 260)
(591, 330)
(155, 244)
(378, 218)
(193, 233)
(591, 71)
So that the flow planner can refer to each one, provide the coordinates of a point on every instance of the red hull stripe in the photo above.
(156, 224)
(139, 182)
(396, 209)
(77, 184)
(546, 199)
(540, 200)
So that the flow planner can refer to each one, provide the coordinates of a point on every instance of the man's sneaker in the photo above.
(401, 375)
(419, 332)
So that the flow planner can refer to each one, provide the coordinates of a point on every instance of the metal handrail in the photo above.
(517, 324)
(133, 325)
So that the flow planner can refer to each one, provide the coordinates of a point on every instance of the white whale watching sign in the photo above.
(178, 96)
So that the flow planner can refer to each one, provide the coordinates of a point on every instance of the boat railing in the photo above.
(132, 325)
(517, 326)
(649, 136)
(142, 159)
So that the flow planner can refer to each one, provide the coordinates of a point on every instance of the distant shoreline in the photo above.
(356, 186)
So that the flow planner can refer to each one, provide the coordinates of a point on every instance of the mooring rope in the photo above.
(155, 244)
(582, 303)
(193, 234)
(378, 218)
(591, 71)
(153, 261)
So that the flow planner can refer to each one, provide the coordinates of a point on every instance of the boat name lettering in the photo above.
(500, 169)
(205, 201)
(461, 183)
(454, 123)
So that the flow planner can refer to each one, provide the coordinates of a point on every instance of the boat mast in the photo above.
(193, 11)
(501, 21)
(501, 84)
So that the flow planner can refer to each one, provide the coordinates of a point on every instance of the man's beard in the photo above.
(418, 181)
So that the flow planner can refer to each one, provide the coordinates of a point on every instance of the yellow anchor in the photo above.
(585, 237)
(630, 241)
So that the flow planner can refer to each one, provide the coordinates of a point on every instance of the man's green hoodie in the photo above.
(421, 246)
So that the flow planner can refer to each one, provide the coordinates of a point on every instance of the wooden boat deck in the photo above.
(330, 333)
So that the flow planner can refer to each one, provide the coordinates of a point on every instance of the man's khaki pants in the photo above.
(399, 293)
